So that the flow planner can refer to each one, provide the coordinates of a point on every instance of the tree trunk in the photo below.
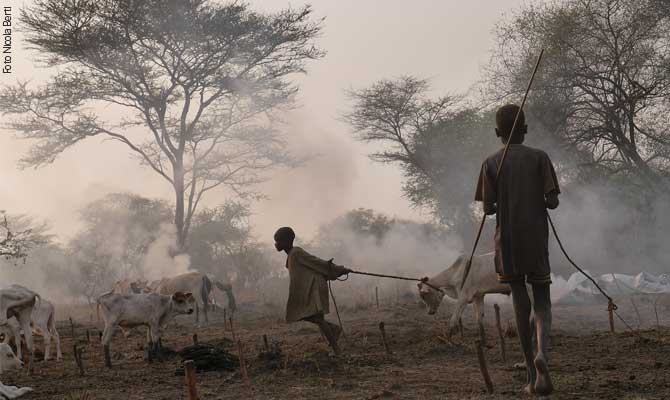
(179, 208)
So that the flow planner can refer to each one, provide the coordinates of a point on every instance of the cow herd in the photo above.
(129, 304)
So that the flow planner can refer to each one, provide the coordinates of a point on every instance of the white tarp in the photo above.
(578, 288)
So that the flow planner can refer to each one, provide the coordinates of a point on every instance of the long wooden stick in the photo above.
(502, 161)
(483, 367)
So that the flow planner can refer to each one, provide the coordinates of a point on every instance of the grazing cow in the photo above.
(198, 284)
(18, 301)
(481, 280)
(43, 324)
(149, 309)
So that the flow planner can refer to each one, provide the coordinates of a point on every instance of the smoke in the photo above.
(160, 259)
(606, 231)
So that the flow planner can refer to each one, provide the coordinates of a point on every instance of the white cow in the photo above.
(43, 323)
(18, 301)
(146, 309)
(198, 284)
(8, 362)
(482, 279)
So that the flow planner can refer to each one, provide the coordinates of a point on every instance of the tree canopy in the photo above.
(603, 84)
(192, 85)
(439, 144)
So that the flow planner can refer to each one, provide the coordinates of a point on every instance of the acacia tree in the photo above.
(19, 234)
(193, 84)
(437, 143)
(603, 86)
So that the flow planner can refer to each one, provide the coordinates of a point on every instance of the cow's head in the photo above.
(8, 360)
(183, 303)
(431, 297)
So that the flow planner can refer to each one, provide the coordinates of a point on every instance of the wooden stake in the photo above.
(610, 311)
(377, 296)
(224, 319)
(72, 327)
(150, 352)
(243, 364)
(195, 339)
(189, 377)
(500, 333)
(79, 361)
(658, 325)
(108, 359)
(482, 366)
(265, 343)
(383, 331)
(88, 336)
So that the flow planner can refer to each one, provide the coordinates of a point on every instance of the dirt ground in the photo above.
(587, 362)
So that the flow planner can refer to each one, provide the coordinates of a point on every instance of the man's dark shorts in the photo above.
(533, 279)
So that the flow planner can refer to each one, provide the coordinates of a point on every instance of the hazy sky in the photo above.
(447, 42)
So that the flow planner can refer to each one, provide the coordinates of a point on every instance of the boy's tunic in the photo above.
(522, 232)
(308, 288)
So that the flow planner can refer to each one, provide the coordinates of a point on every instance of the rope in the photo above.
(502, 161)
(610, 302)
(422, 280)
(332, 296)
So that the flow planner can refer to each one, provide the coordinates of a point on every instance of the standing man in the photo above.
(525, 187)
(308, 288)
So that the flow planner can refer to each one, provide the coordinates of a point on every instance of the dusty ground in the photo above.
(587, 362)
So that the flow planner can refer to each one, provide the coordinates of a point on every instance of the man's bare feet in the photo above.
(543, 385)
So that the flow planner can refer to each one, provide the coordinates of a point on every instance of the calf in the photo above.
(18, 302)
(43, 324)
(148, 309)
(481, 280)
(8, 361)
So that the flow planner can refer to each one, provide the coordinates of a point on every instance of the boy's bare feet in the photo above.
(543, 384)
